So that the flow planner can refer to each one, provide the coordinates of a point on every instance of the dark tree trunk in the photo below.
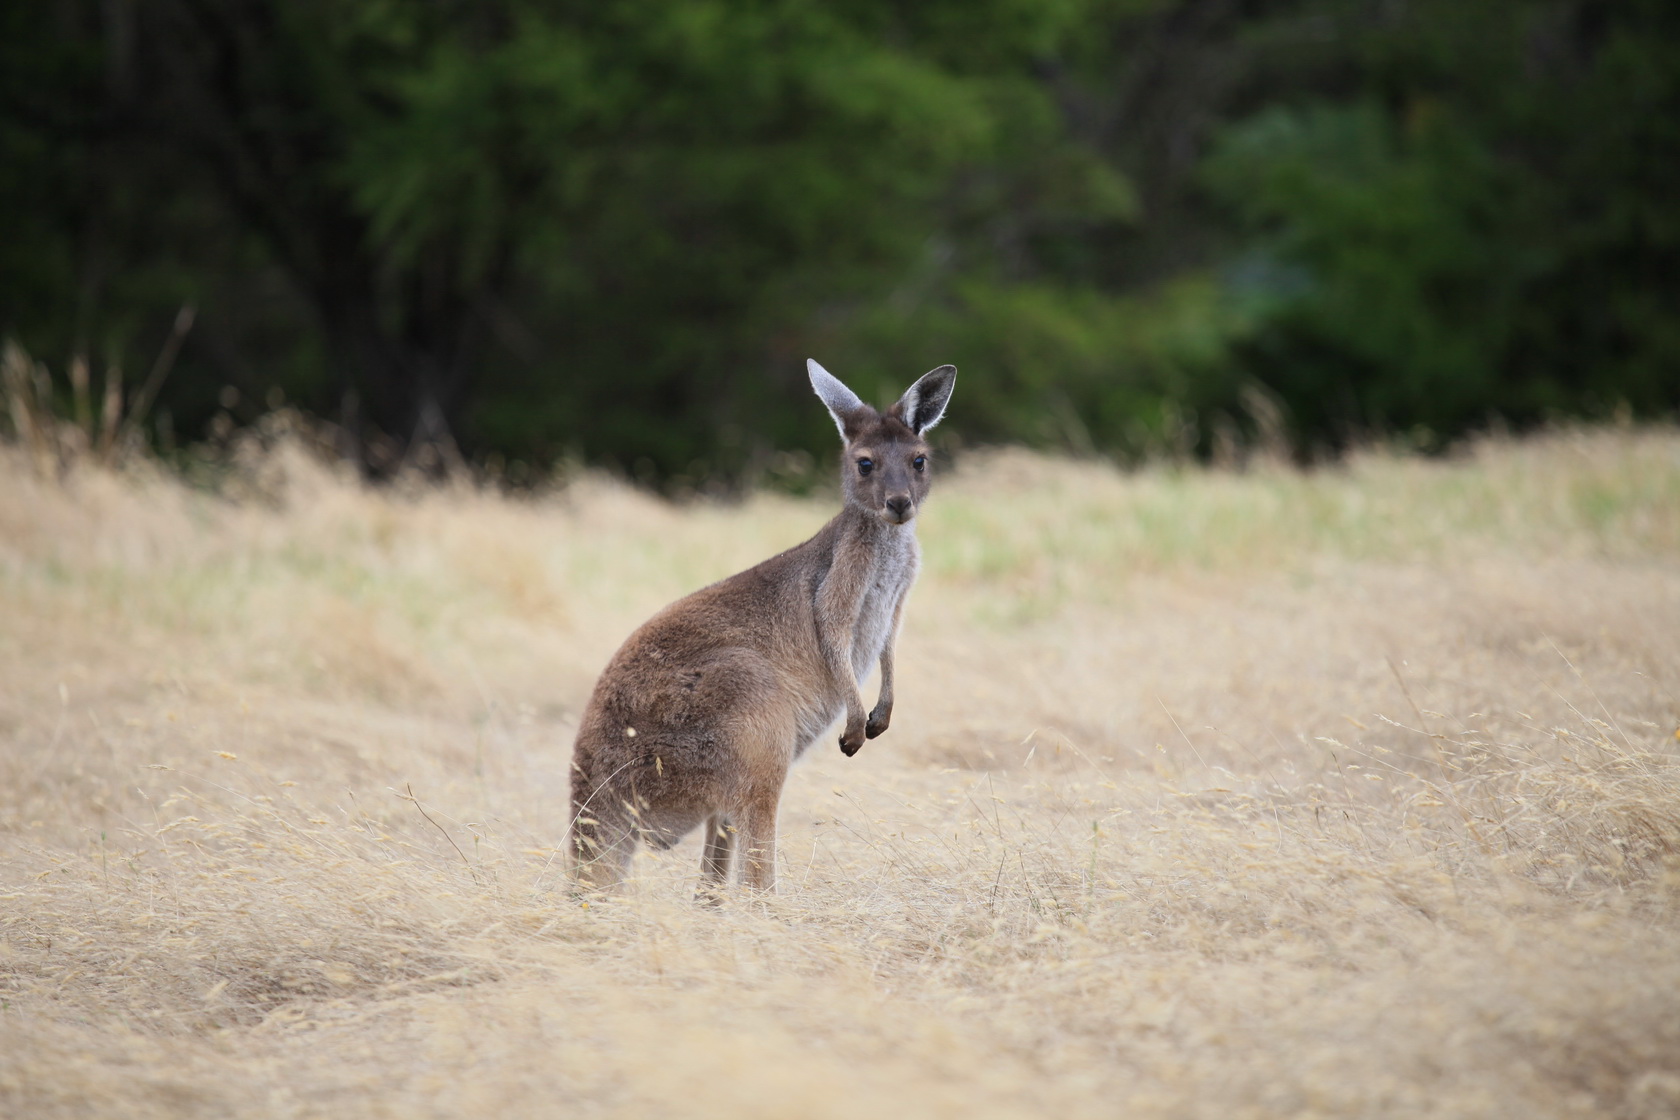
(225, 93)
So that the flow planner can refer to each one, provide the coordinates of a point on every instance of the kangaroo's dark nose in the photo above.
(899, 508)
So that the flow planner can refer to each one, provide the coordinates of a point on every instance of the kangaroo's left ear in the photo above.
(924, 402)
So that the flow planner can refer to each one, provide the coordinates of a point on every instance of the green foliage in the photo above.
(1487, 229)
(614, 231)
(1066, 365)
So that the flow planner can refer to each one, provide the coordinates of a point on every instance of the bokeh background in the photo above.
(530, 232)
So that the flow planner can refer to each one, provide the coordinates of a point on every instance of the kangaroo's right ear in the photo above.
(842, 403)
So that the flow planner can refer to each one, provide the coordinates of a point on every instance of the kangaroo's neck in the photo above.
(858, 526)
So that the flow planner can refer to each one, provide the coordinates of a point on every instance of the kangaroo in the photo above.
(698, 716)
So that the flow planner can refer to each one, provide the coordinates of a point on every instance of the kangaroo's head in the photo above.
(886, 465)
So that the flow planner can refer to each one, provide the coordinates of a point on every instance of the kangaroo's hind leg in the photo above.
(602, 842)
(758, 838)
(719, 844)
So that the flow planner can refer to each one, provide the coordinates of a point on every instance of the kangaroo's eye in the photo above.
(919, 462)
(865, 466)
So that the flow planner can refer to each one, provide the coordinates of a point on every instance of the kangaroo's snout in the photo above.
(900, 509)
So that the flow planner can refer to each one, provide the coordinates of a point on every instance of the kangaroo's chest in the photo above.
(891, 574)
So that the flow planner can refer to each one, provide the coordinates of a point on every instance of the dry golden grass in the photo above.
(1353, 793)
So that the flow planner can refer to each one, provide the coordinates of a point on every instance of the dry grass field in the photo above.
(1208, 794)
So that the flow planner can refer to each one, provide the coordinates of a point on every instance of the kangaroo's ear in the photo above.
(843, 404)
(924, 402)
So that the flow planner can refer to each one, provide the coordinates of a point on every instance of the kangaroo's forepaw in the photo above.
(851, 739)
(878, 721)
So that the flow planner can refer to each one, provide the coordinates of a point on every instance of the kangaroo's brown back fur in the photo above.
(699, 714)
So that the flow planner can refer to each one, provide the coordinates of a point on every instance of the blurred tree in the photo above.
(534, 228)
(1484, 221)
(530, 225)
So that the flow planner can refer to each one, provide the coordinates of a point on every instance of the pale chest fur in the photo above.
(896, 559)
